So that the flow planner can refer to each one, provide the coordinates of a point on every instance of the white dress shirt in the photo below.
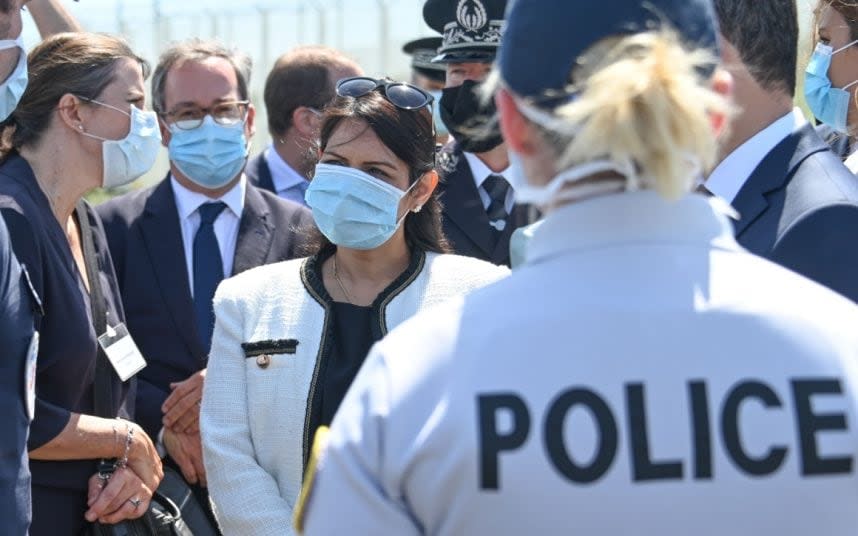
(641, 374)
(727, 179)
(852, 163)
(225, 226)
(286, 180)
(480, 171)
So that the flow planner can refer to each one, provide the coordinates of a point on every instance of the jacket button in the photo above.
(263, 361)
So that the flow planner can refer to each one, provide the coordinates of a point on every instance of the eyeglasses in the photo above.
(400, 94)
(224, 113)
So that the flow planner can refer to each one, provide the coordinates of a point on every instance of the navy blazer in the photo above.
(18, 305)
(145, 238)
(799, 208)
(464, 217)
(259, 174)
(68, 346)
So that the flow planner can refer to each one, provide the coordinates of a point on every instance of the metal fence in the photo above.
(370, 31)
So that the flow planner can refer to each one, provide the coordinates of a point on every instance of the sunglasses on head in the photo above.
(400, 94)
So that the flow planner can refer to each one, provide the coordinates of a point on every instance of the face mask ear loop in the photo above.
(404, 194)
(844, 47)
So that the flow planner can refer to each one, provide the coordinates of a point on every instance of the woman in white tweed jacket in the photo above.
(290, 337)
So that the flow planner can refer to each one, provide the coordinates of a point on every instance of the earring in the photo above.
(417, 209)
(80, 127)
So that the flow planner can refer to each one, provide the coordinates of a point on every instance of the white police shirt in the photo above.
(642, 374)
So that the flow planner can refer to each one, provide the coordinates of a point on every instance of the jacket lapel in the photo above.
(255, 233)
(463, 206)
(162, 236)
(773, 173)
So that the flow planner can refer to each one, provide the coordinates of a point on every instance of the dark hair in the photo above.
(408, 134)
(198, 50)
(81, 64)
(765, 33)
(302, 77)
(848, 9)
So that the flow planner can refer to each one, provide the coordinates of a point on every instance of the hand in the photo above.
(143, 458)
(182, 407)
(123, 497)
(186, 450)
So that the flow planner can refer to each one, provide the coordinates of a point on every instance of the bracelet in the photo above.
(129, 439)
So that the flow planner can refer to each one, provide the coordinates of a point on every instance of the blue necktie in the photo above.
(208, 271)
(497, 187)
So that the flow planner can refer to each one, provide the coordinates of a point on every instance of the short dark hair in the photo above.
(409, 135)
(765, 33)
(301, 77)
(198, 50)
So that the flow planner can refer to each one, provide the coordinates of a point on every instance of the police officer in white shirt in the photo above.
(641, 374)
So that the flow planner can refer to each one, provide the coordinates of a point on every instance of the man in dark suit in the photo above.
(173, 243)
(480, 213)
(299, 86)
(798, 204)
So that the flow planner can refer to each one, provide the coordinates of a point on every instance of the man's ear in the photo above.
(305, 121)
(166, 135)
(722, 83)
(250, 124)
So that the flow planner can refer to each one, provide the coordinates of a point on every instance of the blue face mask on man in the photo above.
(828, 104)
(354, 209)
(211, 155)
(13, 88)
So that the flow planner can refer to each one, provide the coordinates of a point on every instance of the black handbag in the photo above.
(163, 518)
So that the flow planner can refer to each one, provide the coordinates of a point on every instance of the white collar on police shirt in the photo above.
(631, 217)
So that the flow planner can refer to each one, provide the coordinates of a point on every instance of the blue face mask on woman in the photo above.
(354, 209)
(211, 155)
(13, 88)
(828, 104)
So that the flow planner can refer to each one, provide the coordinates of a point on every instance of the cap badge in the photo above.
(472, 15)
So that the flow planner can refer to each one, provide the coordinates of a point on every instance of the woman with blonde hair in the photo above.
(641, 373)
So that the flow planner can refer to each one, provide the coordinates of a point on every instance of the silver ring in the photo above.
(135, 502)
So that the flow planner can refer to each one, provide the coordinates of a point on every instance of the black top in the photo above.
(18, 305)
(353, 337)
(67, 351)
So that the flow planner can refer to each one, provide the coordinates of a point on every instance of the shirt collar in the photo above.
(479, 170)
(187, 202)
(727, 179)
(631, 218)
(283, 175)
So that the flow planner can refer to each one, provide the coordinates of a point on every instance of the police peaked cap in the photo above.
(471, 29)
(422, 51)
(543, 39)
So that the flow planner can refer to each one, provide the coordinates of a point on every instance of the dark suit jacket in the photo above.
(799, 209)
(17, 308)
(65, 370)
(838, 142)
(259, 174)
(145, 239)
(465, 221)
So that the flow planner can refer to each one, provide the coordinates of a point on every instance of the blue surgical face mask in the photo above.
(440, 127)
(128, 158)
(13, 88)
(353, 209)
(210, 155)
(828, 104)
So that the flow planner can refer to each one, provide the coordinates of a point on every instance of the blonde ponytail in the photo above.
(642, 100)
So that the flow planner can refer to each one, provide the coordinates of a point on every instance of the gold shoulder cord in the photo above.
(319, 443)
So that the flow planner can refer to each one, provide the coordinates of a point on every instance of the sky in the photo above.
(371, 31)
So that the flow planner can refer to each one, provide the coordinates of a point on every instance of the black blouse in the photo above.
(353, 337)
(68, 344)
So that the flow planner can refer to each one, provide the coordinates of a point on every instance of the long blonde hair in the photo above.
(641, 100)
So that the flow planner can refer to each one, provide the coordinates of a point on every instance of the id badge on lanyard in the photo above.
(122, 351)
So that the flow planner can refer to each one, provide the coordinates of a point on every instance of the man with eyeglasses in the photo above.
(173, 243)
